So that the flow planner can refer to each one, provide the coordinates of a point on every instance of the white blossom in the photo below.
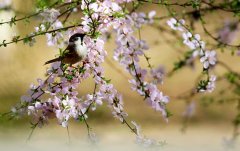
(208, 59)
(175, 25)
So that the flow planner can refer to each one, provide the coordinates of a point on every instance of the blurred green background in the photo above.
(21, 65)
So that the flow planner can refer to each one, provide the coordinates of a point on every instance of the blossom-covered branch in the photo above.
(81, 57)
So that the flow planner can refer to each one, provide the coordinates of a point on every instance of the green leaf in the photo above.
(106, 80)
(168, 113)
(69, 77)
(42, 4)
(231, 77)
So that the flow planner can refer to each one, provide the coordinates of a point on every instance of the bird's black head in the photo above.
(76, 36)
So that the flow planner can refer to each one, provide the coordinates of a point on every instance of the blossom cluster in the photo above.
(57, 96)
(51, 21)
(228, 32)
(197, 46)
(128, 52)
(60, 87)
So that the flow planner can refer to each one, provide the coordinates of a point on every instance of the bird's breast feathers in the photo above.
(81, 48)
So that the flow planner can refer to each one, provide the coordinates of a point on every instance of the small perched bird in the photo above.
(76, 50)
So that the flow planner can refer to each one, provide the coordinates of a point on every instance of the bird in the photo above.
(75, 52)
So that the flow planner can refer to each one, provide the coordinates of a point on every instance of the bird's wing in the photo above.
(70, 49)
(68, 52)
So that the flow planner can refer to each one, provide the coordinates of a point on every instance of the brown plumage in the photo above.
(70, 55)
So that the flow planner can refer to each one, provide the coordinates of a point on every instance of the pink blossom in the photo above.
(50, 15)
(208, 59)
(228, 32)
(158, 74)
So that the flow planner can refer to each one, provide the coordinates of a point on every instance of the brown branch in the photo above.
(40, 33)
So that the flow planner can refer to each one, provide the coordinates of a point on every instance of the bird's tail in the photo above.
(53, 60)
